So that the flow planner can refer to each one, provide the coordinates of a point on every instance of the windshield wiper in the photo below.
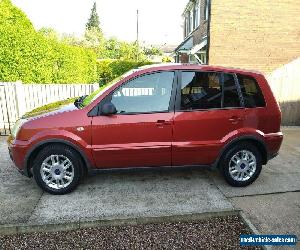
(78, 102)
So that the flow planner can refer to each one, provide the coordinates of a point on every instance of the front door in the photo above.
(140, 134)
(208, 111)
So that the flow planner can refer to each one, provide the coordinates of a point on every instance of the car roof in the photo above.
(187, 66)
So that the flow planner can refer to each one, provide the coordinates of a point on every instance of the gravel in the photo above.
(213, 233)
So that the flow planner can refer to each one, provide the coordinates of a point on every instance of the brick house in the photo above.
(256, 34)
(195, 30)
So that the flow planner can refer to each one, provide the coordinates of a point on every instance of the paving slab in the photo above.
(272, 213)
(134, 194)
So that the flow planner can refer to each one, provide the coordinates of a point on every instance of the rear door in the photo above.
(208, 109)
(140, 134)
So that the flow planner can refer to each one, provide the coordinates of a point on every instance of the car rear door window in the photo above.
(208, 90)
(251, 92)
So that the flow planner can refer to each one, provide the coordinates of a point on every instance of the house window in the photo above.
(186, 28)
(206, 3)
(191, 21)
(196, 14)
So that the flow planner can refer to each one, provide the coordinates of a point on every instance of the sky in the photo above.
(160, 20)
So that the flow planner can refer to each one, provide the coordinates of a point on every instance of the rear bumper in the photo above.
(271, 156)
(273, 142)
(17, 152)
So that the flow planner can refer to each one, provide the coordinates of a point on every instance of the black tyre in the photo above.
(57, 169)
(241, 164)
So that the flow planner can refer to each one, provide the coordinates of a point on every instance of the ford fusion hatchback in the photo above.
(164, 115)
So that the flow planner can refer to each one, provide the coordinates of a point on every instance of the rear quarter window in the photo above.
(251, 92)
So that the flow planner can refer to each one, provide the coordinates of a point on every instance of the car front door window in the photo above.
(144, 94)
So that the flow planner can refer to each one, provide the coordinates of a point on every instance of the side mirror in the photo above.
(108, 109)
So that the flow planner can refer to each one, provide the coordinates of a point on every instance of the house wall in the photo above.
(254, 34)
(184, 58)
(200, 33)
(263, 35)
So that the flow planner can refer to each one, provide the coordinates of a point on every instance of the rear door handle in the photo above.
(163, 122)
(235, 119)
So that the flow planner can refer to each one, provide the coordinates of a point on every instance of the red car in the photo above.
(164, 115)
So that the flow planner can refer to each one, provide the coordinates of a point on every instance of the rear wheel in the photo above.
(57, 169)
(241, 165)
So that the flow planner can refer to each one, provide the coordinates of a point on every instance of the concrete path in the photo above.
(18, 195)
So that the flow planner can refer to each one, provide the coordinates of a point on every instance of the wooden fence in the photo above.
(16, 98)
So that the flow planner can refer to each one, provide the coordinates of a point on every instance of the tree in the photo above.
(152, 51)
(93, 38)
(39, 57)
(49, 33)
(93, 22)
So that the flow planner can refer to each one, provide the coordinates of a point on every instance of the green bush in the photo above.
(29, 56)
(109, 69)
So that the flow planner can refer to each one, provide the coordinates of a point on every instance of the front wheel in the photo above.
(57, 169)
(241, 164)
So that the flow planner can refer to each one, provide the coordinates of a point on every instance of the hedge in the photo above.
(109, 69)
(28, 56)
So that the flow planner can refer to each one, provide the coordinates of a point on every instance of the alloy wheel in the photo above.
(57, 171)
(242, 165)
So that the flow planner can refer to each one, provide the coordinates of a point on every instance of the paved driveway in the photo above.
(272, 202)
(143, 193)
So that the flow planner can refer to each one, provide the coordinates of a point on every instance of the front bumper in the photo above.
(17, 151)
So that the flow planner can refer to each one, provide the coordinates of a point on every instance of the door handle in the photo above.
(162, 122)
(235, 119)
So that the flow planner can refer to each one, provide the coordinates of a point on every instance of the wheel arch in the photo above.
(259, 143)
(33, 152)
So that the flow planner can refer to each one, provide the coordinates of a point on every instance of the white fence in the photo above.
(16, 98)
(285, 83)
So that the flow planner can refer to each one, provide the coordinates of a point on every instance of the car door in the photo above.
(140, 133)
(208, 110)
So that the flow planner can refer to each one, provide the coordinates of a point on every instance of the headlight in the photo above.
(17, 127)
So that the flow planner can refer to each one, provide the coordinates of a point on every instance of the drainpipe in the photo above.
(208, 31)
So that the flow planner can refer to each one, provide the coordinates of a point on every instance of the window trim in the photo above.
(171, 102)
(238, 86)
(178, 94)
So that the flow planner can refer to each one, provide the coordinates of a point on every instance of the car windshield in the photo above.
(92, 97)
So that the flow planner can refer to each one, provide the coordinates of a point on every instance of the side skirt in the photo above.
(144, 169)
